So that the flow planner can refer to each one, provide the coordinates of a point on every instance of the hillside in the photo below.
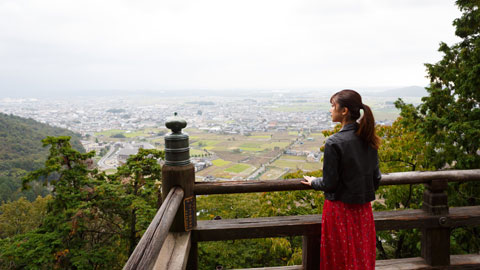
(21, 150)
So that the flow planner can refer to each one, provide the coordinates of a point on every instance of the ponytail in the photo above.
(366, 131)
(353, 101)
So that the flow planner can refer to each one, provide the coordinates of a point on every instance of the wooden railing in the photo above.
(146, 252)
(435, 219)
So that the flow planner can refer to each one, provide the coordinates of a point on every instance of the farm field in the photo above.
(295, 163)
(147, 132)
(236, 156)
(272, 173)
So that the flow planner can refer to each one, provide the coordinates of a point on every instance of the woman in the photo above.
(350, 178)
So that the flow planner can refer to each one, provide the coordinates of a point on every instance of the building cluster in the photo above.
(226, 116)
(221, 115)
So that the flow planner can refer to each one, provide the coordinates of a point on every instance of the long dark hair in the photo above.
(353, 101)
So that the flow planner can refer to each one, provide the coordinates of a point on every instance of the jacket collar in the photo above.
(351, 126)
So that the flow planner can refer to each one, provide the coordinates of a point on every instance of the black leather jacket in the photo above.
(350, 168)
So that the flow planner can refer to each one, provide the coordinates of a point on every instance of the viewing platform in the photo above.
(171, 240)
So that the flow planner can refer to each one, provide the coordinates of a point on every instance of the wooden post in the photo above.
(436, 242)
(184, 177)
(178, 171)
(311, 252)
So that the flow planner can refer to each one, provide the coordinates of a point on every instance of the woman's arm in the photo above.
(329, 181)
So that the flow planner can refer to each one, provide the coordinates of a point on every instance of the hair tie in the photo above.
(362, 114)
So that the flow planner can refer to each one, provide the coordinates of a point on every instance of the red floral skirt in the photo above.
(348, 237)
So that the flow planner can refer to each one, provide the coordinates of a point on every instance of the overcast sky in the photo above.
(74, 46)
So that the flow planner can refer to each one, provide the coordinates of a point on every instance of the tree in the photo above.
(401, 150)
(138, 184)
(22, 216)
(449, 116)
(91, 222)
(248, 253)
(76, 232)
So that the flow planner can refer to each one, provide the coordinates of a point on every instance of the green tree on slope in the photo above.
(448, 118)
(88, 221)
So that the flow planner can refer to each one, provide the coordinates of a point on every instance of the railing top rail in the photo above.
(401, 178)
(148, 248)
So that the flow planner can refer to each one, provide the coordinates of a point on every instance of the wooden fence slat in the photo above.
(227, 187)
(174, 252)
(148, 248)
(230, 229)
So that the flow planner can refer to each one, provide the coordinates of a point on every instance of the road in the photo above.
(102, 162)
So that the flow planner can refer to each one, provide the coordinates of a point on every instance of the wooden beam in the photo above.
(174, 252)
(459, 262)
(147, 250)
(226, 187)
(311, 252)
(293, 267)
(230, 229)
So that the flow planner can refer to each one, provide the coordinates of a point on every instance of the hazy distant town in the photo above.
(232, 137)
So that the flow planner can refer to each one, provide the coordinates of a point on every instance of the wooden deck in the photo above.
(460, 262)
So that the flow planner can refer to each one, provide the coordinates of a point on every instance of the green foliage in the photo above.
(118, 135)
(89, 222)
(448, 119)
(21, 151)
(22, 216)
(289, 203)
(20, 147)
(256, 252)
(249, 253)
(138, 192)
(116, 110)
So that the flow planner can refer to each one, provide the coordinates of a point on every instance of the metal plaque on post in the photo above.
(189, 212)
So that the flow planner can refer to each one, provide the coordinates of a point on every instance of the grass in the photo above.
(237, 168)
(259, 147)
(282, 163)
(311, 166)
(134, 134)
(137, 133)
(251, 149)
(290, 157)
(272, 173)
(251, 145)
(108, 133)
(294, 164)
(206, 143)
(220, 162)
(110, 171)
(260, 136)
(196, 152)
(279, 144)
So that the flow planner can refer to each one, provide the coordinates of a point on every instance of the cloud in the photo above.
(217, 44)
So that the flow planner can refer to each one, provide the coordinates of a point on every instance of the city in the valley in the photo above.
(261, 136)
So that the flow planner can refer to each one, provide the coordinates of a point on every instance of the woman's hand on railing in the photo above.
(308, 180)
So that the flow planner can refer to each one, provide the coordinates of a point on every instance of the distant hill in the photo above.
(21, 149)
(410, 91)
